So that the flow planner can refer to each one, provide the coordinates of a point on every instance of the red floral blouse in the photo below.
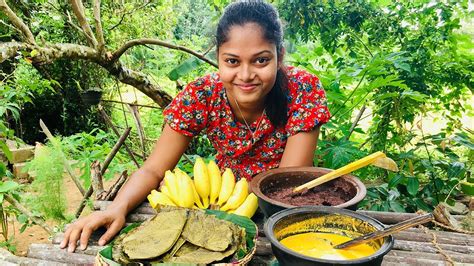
(203, 105)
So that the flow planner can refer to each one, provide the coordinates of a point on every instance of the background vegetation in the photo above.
(389, 68)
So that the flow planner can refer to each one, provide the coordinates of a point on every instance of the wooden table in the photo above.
(415, 246)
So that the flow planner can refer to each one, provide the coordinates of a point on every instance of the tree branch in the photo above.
(78, 10)
(53, 52)
(141, 82)
(49, 53)
(74, 25)
(356, 121)
(17, 22)
(126, 14)
(116, 55)
(98, 27)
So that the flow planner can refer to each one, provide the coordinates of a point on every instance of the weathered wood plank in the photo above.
(54, 253)
(7, 258)
(463, 258)
(393, 217)
(430, 247)
(397, 261)
(462, 240)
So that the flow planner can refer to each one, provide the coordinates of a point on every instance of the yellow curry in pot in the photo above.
(320, 245)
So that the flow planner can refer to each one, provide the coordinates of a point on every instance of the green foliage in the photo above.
(11, 189)
(400, 60)
(48, 168)
(85, 148)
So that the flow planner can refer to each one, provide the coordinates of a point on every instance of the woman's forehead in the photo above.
(248, 39)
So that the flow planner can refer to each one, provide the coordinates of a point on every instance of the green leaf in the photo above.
(394, 181)
(3, 170)
(464, 140)
(340, 153)
(413, 185)
(403, 66)
(397, 207)
(372, 194)
(422, 205)
(22, 218)
(8, 186)
(456, 170)
(6, 150)
(414, 95)
(184, 68)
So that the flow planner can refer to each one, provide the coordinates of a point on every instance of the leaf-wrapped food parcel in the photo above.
(208, 232)
(190, 253)
(155, 237)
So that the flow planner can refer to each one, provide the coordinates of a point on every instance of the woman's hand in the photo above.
(112, 219)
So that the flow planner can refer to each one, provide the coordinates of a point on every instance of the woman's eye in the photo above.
(262, 60)
(231, 61)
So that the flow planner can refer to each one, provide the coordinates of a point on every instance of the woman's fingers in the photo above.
(73, 237)
(112, 230)
(86, 234)
(66, 238)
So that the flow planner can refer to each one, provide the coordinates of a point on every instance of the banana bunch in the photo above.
(207, 189)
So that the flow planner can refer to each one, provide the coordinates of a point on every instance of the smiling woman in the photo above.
(257, 113)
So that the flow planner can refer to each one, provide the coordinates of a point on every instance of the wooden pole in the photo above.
(141, 134)
(111, 125)
(26, 212)
(108, 159)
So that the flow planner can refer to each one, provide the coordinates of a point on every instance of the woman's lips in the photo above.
(246, 87)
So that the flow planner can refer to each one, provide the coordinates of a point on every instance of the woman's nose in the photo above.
(246, 73)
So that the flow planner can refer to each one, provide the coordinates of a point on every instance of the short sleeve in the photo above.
(187, 113)
(307, 103)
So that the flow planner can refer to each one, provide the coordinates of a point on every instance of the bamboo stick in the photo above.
(339, 172)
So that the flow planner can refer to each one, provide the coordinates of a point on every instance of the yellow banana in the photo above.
(197, 199)
(249, 207)
(201, 180)
(156, 198)
(215, 180)
(171, 181)
(227, 186)
(238, 196)
(165, 190)
(186, 192)
(195, 195)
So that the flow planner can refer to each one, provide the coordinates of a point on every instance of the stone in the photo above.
(20, 152)
(18, 171)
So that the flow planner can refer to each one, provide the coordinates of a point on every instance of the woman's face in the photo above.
(248, 65)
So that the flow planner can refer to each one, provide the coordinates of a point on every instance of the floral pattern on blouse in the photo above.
(203, 105)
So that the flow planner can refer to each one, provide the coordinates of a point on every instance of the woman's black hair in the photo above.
(266, 16)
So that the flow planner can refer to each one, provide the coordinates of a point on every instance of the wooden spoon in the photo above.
(387, 231)
(378, 159)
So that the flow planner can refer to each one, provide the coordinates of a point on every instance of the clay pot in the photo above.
(91, 97)
(274, 179)
(329, 218)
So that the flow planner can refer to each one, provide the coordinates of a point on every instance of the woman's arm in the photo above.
(300, 148)
(168, 149)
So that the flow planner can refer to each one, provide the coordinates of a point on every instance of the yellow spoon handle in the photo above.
(341, 171)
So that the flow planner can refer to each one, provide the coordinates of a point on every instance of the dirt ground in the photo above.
(37, 234)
